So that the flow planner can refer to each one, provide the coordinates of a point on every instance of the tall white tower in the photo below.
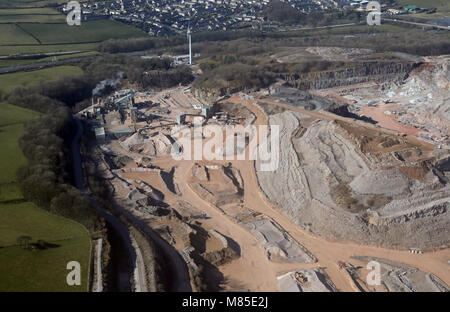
(190, 44)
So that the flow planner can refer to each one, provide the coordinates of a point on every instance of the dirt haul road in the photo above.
(327, 252)
(253, 270)
(322, 115)
(388, 121)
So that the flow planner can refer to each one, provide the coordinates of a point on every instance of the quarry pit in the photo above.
(345, 185)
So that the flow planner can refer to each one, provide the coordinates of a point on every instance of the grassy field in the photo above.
(11, 158)
(27, 11)
(24, 38)
(9, 82)
(88, 31)
(440, 5)
(30, 18)
(12, 34)
(36, 26)
(93, 31)
(37, 269)
(11, 62)
(30, 3)
(347, 30)
(23, 49)
(12, 114)
(40, 269)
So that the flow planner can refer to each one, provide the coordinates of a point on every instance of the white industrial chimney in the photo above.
(190, 44)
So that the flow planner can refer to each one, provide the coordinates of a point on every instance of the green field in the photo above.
(9, 82)
(23, 49)
(11, 158)
(40, 269)
(23, 38)
(11, 127)
(30, 3)
(36, 269)
(28, 11)
(440, 5)
(30, 18)
(12, 62)
(88, 31)
(12, 34)
(36, 26)
(11, 114)
(356, 29)
(347, 30)
(93, 31)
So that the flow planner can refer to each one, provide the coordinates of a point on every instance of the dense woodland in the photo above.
(154, 73)
(253, 42)
(237, 72)
(161, 44)
(46, 180)
(238, 60)
(245, 63)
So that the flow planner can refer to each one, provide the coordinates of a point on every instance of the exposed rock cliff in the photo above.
(341, 182)
(381, 72)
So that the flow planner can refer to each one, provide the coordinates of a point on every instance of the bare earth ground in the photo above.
(253, 270)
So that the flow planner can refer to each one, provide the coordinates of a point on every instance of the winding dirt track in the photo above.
(253, 270)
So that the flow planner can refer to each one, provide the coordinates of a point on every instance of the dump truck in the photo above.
(300, 277)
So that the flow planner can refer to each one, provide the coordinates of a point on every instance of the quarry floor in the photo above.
(253, 270)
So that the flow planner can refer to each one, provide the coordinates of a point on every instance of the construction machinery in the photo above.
(300, 277)
(199, 216)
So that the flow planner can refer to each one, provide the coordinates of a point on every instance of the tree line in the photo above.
(248, 42)
(154, 73)
(234, 77)
(47, 179)
(236, 72)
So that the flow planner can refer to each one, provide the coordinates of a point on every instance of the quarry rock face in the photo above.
(380, 72)
(428, 87)
(363, 72)
(341, 181)
(218, 184)
(212, 95)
